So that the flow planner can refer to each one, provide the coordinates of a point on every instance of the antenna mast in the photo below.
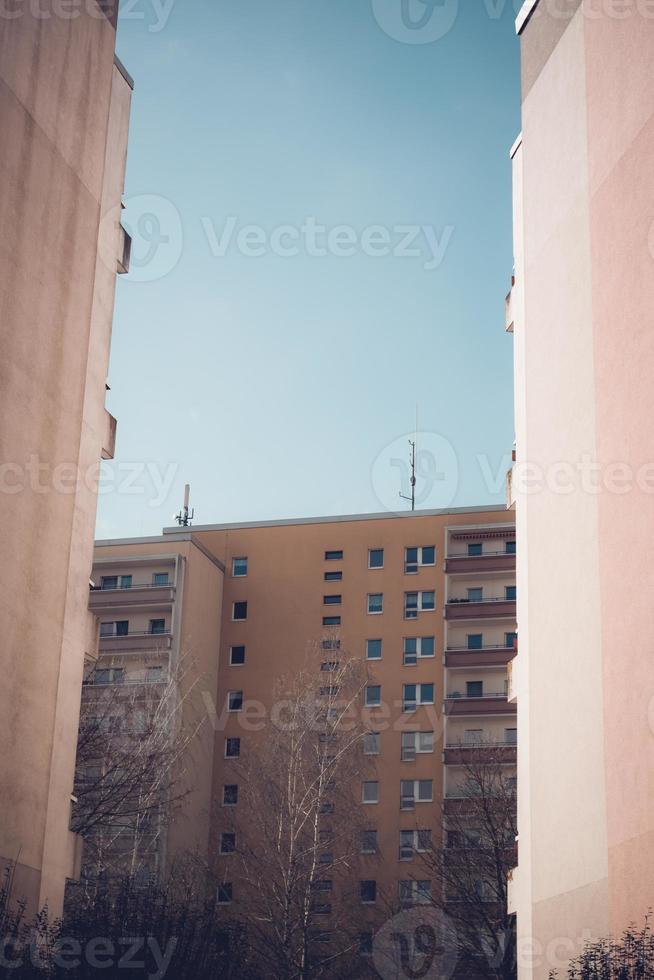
(184, 518)
(412, 497)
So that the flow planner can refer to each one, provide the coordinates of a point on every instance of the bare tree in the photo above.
(131, 766)
(472, 865)
(297, 827)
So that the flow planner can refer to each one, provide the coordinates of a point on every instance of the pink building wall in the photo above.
(66, 106)
(584, 679)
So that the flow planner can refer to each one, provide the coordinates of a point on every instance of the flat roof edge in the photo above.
(342, 518)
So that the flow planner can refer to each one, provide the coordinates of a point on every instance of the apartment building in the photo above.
(425, 600)
(580, 311)
(158, 603)
(65, 100)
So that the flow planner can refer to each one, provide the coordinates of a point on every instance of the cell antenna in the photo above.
(185, 517)
(412, 497)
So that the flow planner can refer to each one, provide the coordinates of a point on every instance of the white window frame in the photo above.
(377, 742)
(236, 646)
(375, 639)
(369, 782)
(410, 892)
(231, 710)
(414, 798)
(419, 607)
(409, 752)
(413, 705)
(239, 619)
(372, 704)
(231, 738)
(241, 558)
(375, 567)
(413, 567)
(419, 655)
(407, 851)
(375, 612)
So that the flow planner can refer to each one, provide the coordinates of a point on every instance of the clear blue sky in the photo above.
(285, 385)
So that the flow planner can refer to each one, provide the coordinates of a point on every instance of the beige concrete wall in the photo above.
(62, 101)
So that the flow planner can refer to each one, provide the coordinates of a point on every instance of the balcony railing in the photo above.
(128, 588)
(459, 648)
(499, 607)
(458, 696)
(120, 636)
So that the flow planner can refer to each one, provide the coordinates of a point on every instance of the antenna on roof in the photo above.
(184, 518)
(412, 443)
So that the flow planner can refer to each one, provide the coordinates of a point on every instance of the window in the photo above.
(414, 791)
(474, 689)
(414, 558)
(417, 647)
(365, 943)
(114, 675)
(239, 611)
(157, 625)
(416, 694)
(232, 748)
(332, 600)
(119, 628)
(509, 592)
(329, 665)
(235, 701)
(322, 885)
(330, 691)
(333, 556)
(509, 548)
(333, 576)
(230, 794)
(160, 578)
(376, 558)
(225, 893)
(331, 620)
(371, 743)
(510, 640)
(414, 842)
(239, 567)
(475, 595)
(414, 892)
(473, 736)
(373, 649)
(375, 602)
(474, 549)
(331, 644)
(370, 791)
(236, 656)
(511, 736)
(326, 858)
(116, 582)
(227, 842)
(373, 695)
(368, 892)
(321, 908)
(326, 808)
(368, 841)
(415, 602)
(414, 743)
(475, 641)
(153, 675)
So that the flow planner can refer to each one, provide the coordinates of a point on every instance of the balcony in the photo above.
(485, 656)
(136, 641)
(460, 753)
(458, 609)
(490, 561)
(109, 437)
(138, 596)
(486, 704)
